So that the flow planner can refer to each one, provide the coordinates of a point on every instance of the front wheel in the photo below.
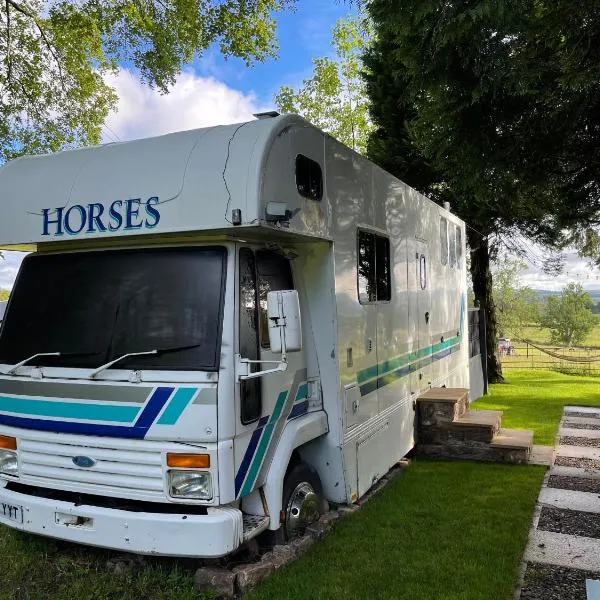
(302, 500)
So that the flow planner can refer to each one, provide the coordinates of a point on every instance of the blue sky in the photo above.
(303, 35)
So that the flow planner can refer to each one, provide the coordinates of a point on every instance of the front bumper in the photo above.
(212, 535)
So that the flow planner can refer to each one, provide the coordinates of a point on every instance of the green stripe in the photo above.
(393, 364)
(263, 445)
(69, 410)
(302, 392)
(177, 405)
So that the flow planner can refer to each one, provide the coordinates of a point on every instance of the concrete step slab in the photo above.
(579, 421)
(575, 472)
(590, 434)
(582, 409)
(578, 451)
(570, 500)
(513, 438)
(564, 550)
(541, 455)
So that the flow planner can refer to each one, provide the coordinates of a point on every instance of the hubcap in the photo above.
(302, 508)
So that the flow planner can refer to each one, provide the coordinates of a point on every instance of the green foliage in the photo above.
(334, 97)
(516, 305)
(4, 295)
(498, 102)
(569, 316)
(53, 56)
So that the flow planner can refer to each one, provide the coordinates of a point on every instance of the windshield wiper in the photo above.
(154, 352)
(15, 368)
(108, 365)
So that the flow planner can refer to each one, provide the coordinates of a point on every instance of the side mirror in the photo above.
(285, 327)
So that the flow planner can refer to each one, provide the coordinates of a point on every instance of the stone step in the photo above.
(476, 426)
(437, 406)
(513, 438)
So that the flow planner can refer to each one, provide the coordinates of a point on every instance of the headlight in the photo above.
(8, 463)
(190, 484)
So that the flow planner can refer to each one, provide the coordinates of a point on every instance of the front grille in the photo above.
(123, 468)
(137, 506)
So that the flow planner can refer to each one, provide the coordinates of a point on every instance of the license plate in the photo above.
(12, 512)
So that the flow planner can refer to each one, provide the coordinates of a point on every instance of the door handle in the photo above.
(427, 317)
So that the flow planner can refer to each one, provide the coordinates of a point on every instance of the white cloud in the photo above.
(9, 267)
(192, 102)
(576, 270)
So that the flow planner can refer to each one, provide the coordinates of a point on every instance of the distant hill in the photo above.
(595, 294)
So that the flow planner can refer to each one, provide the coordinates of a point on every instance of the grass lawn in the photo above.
(35, 568)
(440, 531)
(535, 400)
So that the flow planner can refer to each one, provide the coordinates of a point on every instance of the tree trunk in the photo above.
(482, 289)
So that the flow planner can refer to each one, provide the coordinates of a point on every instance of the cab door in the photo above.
(263, 403)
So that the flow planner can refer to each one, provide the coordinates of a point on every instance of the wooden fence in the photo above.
(525, 356)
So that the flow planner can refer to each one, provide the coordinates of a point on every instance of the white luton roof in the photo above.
(181, 182)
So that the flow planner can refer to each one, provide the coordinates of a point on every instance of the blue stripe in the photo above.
(241, 474)
(301, 408)
(69, 410)
(178, 404)
(138, 430)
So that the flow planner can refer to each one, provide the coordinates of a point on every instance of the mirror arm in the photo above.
(282, 366)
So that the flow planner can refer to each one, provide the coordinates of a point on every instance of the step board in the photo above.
(517, 439)
(253, 525)
(480, 418)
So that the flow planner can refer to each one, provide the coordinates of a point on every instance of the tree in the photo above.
(483, 104)
(569, 316)
(54, 54)
(4, 294)
(334, 97)
(517, 306)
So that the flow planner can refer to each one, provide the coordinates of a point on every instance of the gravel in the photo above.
(549, 582)
(577, 484)
(582, 463)
(571, 522)
(585, 415)
(580, 425)
(578, 441)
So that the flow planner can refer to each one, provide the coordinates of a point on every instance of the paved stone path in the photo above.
(562, 558)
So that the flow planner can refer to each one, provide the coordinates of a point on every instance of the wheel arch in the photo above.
(297, 433)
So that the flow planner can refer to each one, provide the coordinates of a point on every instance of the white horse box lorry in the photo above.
(216, 330)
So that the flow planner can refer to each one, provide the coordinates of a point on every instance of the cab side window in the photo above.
(274, 274)
(250, 389)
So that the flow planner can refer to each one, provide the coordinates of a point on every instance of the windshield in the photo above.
(97, 306)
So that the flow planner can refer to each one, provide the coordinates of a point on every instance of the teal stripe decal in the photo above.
(263, 444)
(178, 403)
(302, 392)
(69, 410)
(403, 360)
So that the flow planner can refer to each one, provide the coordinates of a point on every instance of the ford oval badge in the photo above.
(84, 461)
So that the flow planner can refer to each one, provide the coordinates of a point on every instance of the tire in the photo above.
(302, 500)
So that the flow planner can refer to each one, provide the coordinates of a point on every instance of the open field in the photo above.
(541, 335)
